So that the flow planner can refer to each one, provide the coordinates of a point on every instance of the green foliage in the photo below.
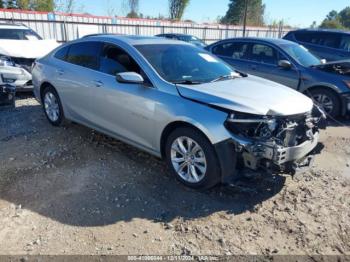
(236, 9)
(177, 8)
(335, 20)
(36, 5)
(2, 4)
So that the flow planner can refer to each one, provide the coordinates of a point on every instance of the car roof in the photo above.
(12, 26)
(321, 30)
(276, 41)
(137, 40)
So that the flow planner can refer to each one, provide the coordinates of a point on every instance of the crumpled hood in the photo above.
(341, 67)
(253, 95)
(27, 48)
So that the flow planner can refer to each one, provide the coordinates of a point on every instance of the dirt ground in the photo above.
(72, 191)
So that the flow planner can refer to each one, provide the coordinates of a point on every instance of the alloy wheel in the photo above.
(51, 106)
(325, 102)
(188, 159)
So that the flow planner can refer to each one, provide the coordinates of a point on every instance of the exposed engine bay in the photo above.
(339, 67)
(275, 141)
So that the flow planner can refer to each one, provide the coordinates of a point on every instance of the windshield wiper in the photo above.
(187, 82)
(223, 77)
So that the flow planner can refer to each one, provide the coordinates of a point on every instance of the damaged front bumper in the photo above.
(269, 155)
(16, 76)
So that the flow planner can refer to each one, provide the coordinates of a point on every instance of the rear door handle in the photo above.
(253, 67)
(60, 71)
(98, 83)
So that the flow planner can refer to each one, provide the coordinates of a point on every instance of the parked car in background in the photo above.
(292, 65)
(19, 47)
(328, 44)
(178, 102)
(186, 38)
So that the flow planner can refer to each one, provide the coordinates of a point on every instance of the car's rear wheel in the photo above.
(327, 100)
(192, 158)
(52, 106)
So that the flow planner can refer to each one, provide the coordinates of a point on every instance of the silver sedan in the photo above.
(178, 102)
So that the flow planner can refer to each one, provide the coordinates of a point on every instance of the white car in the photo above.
(19, 47)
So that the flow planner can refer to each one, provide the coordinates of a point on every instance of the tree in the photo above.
(132, 6)
(23, 4)
(236, 9)
(2, 4)
(11, 4)
(177, 8)
(43, 5)
(332, 21)
(344, 17)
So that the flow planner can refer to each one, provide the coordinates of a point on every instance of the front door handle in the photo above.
(98, 83)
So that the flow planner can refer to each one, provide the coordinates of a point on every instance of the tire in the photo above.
(53, 111)
(324, 97)
(196, 172)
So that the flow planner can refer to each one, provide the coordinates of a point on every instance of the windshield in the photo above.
(18, 34)
(191, 39)
(181, 63)
(301, 55)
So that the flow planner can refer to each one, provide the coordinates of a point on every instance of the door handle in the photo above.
(98, 83)
(253, 67)
(60, 71)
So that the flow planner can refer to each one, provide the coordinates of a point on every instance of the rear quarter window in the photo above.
(61, 54)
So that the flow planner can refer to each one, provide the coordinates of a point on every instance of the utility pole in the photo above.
(245, 17)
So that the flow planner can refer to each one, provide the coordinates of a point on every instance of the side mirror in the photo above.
(285, 64)
(323, 61)
(130, 77)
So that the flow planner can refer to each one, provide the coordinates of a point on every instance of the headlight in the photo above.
(253, 126)
(6, 61)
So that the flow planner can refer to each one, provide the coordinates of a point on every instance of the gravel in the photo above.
(71, 190)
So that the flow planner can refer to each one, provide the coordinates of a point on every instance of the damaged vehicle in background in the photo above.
(292, 65)
(19, 47)
(180, 103)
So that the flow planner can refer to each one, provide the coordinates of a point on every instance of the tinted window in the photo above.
(234, 50)
(319, 38)
(179, 63)
(62, 53)
(19, 34)
(329, 40)
(263, 54)
(84, 54)
(345, 42)
(114, 60)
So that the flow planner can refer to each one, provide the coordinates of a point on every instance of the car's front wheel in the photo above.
(192, 158)
(327, 100)
(52, 106)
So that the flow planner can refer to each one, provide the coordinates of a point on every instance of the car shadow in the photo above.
(100, 181)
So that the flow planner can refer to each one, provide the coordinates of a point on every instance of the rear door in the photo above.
(234, 53)
(75, 79)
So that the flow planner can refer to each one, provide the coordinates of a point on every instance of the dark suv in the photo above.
(328, 44)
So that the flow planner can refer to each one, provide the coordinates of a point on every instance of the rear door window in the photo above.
(236, 50)
(85, 54)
